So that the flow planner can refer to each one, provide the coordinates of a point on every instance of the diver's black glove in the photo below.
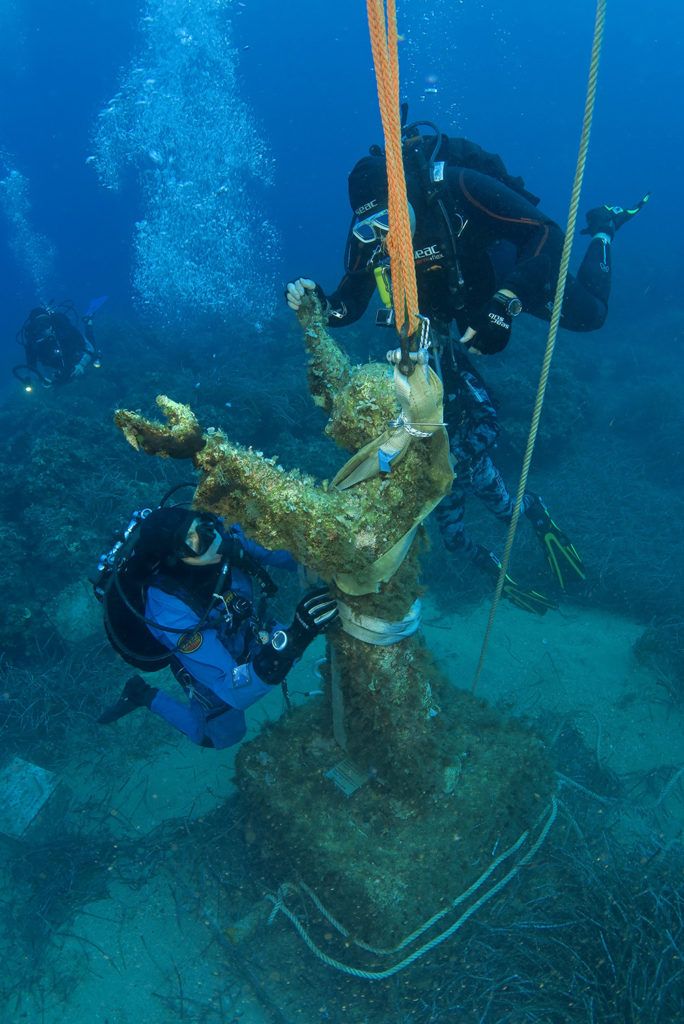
(492, 328)
(313, 615)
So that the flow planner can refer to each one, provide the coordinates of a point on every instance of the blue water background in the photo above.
(511, 76)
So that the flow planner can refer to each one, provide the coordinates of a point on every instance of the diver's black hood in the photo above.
(158, 553)
(161, 537)
(368, 186)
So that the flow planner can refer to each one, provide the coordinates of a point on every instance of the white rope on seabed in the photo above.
(279, 906)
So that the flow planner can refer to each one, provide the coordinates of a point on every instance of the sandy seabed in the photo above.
(143, 954)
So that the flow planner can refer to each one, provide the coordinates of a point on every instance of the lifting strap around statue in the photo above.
(379, 632)
(420, 398)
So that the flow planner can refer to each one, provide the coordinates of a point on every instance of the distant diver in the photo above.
(56, 350)
(179, 589)
(483, 254)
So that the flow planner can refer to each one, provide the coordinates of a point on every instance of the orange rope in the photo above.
(384, 43)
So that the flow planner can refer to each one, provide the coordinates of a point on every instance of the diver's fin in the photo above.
(561, 554)
(95, 304)
(135, 694)
(527, 600)
(609, 219)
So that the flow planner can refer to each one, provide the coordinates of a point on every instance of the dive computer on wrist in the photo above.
(511, 303)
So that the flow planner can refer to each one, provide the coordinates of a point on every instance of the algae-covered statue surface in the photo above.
(442, 781)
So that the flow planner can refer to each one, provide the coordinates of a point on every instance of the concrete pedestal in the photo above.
(386, 858)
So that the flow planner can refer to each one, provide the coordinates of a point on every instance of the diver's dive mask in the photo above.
(373, 228)
(209, 535)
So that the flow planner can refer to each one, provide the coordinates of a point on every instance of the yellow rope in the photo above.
(384, 43)
(555, 320)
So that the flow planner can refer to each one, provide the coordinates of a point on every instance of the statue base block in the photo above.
(383, 858)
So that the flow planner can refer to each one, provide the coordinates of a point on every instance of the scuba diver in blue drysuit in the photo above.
(180, 592)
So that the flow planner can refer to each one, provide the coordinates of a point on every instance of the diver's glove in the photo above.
(606, 220)
(313, 615)
(528, 600)
(296, 290)
(492, 326)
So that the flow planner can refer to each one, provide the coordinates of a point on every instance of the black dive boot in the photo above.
(528, 600)
(135, 694)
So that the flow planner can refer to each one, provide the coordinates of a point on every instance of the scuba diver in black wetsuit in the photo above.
(57, 351)
(483, 254)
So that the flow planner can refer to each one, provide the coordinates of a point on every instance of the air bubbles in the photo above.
(33, 251)
(203, 244)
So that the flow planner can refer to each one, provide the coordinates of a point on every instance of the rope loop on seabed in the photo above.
(542, 825)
